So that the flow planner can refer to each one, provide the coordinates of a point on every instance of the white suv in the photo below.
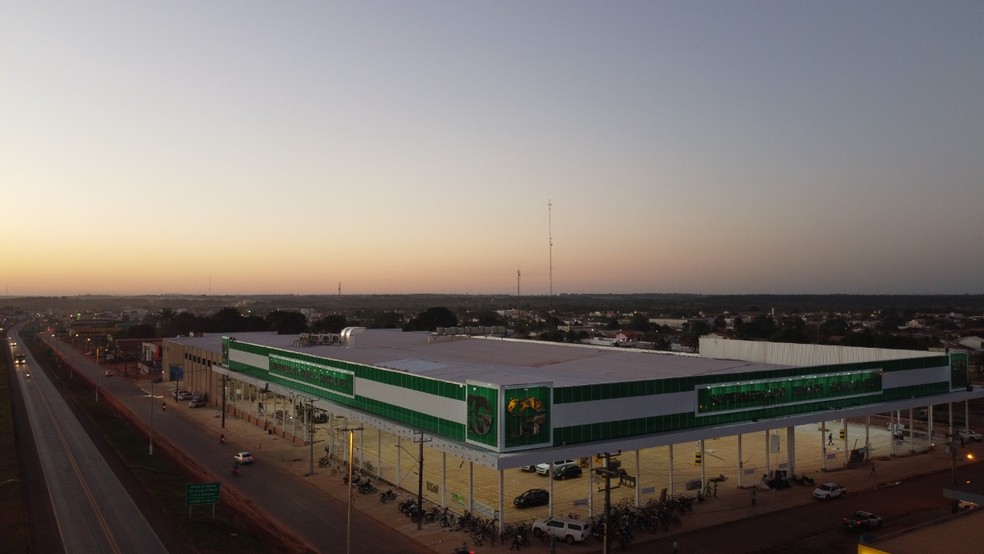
(567, 530)
(544, 468)
(968, 435)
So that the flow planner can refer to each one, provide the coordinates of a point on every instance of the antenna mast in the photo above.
(550, 235)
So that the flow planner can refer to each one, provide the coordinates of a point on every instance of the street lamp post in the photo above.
(348, 522)
(152, 417)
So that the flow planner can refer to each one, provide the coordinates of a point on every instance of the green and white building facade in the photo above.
(486, 406)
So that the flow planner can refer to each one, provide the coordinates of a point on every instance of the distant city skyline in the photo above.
(701, 147)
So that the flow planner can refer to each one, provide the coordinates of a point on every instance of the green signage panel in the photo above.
(317, 375)
(480, 415)
(751, 395)
(959, 378)
(202, 493)
(527, 416)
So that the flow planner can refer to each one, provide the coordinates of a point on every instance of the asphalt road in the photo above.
(92, 510)
(316, 520)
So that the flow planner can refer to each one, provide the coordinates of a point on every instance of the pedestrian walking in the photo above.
(753, 496)
(715, 489)
(553, 545)
(676, 547)
(515, 543)
(872, 469)
(830, 439)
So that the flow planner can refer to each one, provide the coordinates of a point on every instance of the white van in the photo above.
(567, 530)
(544, 468)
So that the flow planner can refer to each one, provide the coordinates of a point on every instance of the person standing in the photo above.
(676, 547)
(872, 469)
(830, 439)
(753, 496)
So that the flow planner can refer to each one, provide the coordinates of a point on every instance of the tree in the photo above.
(835, 327)
(431, 319)
(286, 322)
(333, 323)
(639, 322)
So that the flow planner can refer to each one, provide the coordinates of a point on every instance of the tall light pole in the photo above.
(348, 521)
(152, 417)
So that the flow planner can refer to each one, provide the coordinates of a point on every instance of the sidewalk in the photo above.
(731, 503)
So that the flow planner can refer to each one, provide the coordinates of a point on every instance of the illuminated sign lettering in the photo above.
(750, 395)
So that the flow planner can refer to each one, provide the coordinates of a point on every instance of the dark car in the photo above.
(862, 521)
(566, 472)
(532, 497)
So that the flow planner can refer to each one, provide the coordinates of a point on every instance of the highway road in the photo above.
(92, 510)
(308, 518)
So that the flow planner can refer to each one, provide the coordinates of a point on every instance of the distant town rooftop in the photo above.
(498, 361)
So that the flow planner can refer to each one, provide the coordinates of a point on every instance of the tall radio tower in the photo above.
(550, 236)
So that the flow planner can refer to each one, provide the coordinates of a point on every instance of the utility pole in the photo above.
(550, 237)
(420, 477)
(309, 419)
(607, 473)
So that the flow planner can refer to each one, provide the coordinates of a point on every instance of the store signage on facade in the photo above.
(316, 375)
(527, 416)
(750, 395)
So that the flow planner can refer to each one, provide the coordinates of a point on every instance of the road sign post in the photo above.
(197, 494)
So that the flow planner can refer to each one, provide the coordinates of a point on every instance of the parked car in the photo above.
(862, 521)
(108, 373)
(531, 498)
(243, 457)
(544, 468)
(566, 472)
(529, 468)
(827, 491)
(196, 403)
(567, 530)
(967, 435)
(180, 394)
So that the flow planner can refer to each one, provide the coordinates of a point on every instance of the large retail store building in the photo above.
(486, 405)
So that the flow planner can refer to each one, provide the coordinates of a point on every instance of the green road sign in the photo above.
(202, 493)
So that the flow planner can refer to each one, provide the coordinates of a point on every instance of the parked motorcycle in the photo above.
(366, 487)
(387, 496)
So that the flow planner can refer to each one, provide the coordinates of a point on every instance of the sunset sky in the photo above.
(239, 147)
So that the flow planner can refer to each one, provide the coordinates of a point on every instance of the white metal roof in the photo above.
(496, 360)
